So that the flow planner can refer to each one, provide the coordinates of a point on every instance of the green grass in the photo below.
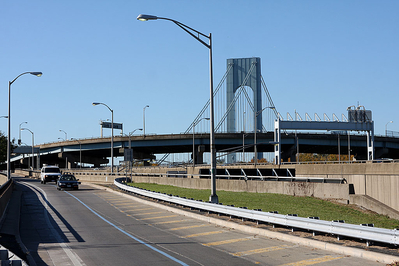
(284, 204)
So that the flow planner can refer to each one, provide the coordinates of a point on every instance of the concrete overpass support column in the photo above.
(199, 154)
(370, 144)
(199, 157)
(277, 142)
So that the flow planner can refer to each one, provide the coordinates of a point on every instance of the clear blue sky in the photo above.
(317, 57)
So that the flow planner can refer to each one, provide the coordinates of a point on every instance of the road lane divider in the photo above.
(128, 234)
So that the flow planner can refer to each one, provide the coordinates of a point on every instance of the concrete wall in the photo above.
(338, 192)
(380, 181)
(3, 179)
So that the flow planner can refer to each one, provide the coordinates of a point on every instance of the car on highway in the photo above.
(49, 173)
(67, 181)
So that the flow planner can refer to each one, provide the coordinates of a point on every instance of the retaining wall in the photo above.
(379, 181)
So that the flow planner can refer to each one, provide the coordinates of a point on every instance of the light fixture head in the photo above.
(95, 104)
(143, 17)
(37, 74)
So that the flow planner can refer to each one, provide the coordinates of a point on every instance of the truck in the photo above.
(49, 173)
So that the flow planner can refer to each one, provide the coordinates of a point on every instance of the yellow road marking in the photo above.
(204, 234)
(259, 250)
(171, 222)
(312, 261)
(121, 203)
(188, 227)
(160, 217)
(149, 213)
(142, 209)
(217, 243)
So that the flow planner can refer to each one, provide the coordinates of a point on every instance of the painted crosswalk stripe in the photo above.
(170, 222)
(259, 250)
(204, 234)
(142, 209)
(217, 243)
(188, 227)
(148, 213)
(159, 217)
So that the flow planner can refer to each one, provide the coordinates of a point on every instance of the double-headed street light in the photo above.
(196, 34)
(33, 144)
(66, 135)
(37, 74)
(80, 152)
(130, 134)
(112, 134)
(20, 140)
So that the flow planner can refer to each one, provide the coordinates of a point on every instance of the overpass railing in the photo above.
(337, 228)
(182, 174)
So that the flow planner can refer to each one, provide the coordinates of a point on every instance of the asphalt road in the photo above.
(93, 226)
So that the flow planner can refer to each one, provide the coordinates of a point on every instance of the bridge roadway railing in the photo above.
(183, 174)
(338, 228)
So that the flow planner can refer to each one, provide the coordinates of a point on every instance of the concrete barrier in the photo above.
(379, 181)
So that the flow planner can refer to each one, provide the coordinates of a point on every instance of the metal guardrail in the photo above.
(337, 228)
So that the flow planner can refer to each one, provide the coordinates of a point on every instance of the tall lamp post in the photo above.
(66, 135)
(130, 134)
(112, 134)
(20, 140)
(80, 152)
(37, 74)
(386, 128)
(144, 119)
(33, 144)
(194, 124)
(196, 34)
(255, 148)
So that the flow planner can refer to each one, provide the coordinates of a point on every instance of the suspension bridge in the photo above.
(244, 110)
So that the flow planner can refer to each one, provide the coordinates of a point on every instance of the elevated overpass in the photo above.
(96, 151)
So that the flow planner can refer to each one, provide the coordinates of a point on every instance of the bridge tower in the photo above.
(244, 72)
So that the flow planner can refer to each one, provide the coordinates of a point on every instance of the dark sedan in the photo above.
(67, 181)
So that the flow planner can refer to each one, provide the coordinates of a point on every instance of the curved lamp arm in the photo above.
(186, 28)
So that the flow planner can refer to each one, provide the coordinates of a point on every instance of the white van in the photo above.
(49, 173)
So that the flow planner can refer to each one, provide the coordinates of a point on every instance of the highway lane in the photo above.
(93, 226)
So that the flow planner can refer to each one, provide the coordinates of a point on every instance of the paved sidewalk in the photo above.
(9, 228)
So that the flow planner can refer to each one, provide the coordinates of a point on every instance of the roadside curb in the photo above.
(11, 223)
(348, 251)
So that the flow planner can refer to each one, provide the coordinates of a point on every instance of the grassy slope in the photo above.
(284, 204)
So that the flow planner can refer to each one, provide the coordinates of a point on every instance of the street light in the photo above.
(196, 34)
(20, 140)
(130, 134)
(80, 152)
(194, 124)
(66, 135)
(386, 127)
(255, 148)
(37, 74)
(33, 144)
(144, 119)
(112, 134)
